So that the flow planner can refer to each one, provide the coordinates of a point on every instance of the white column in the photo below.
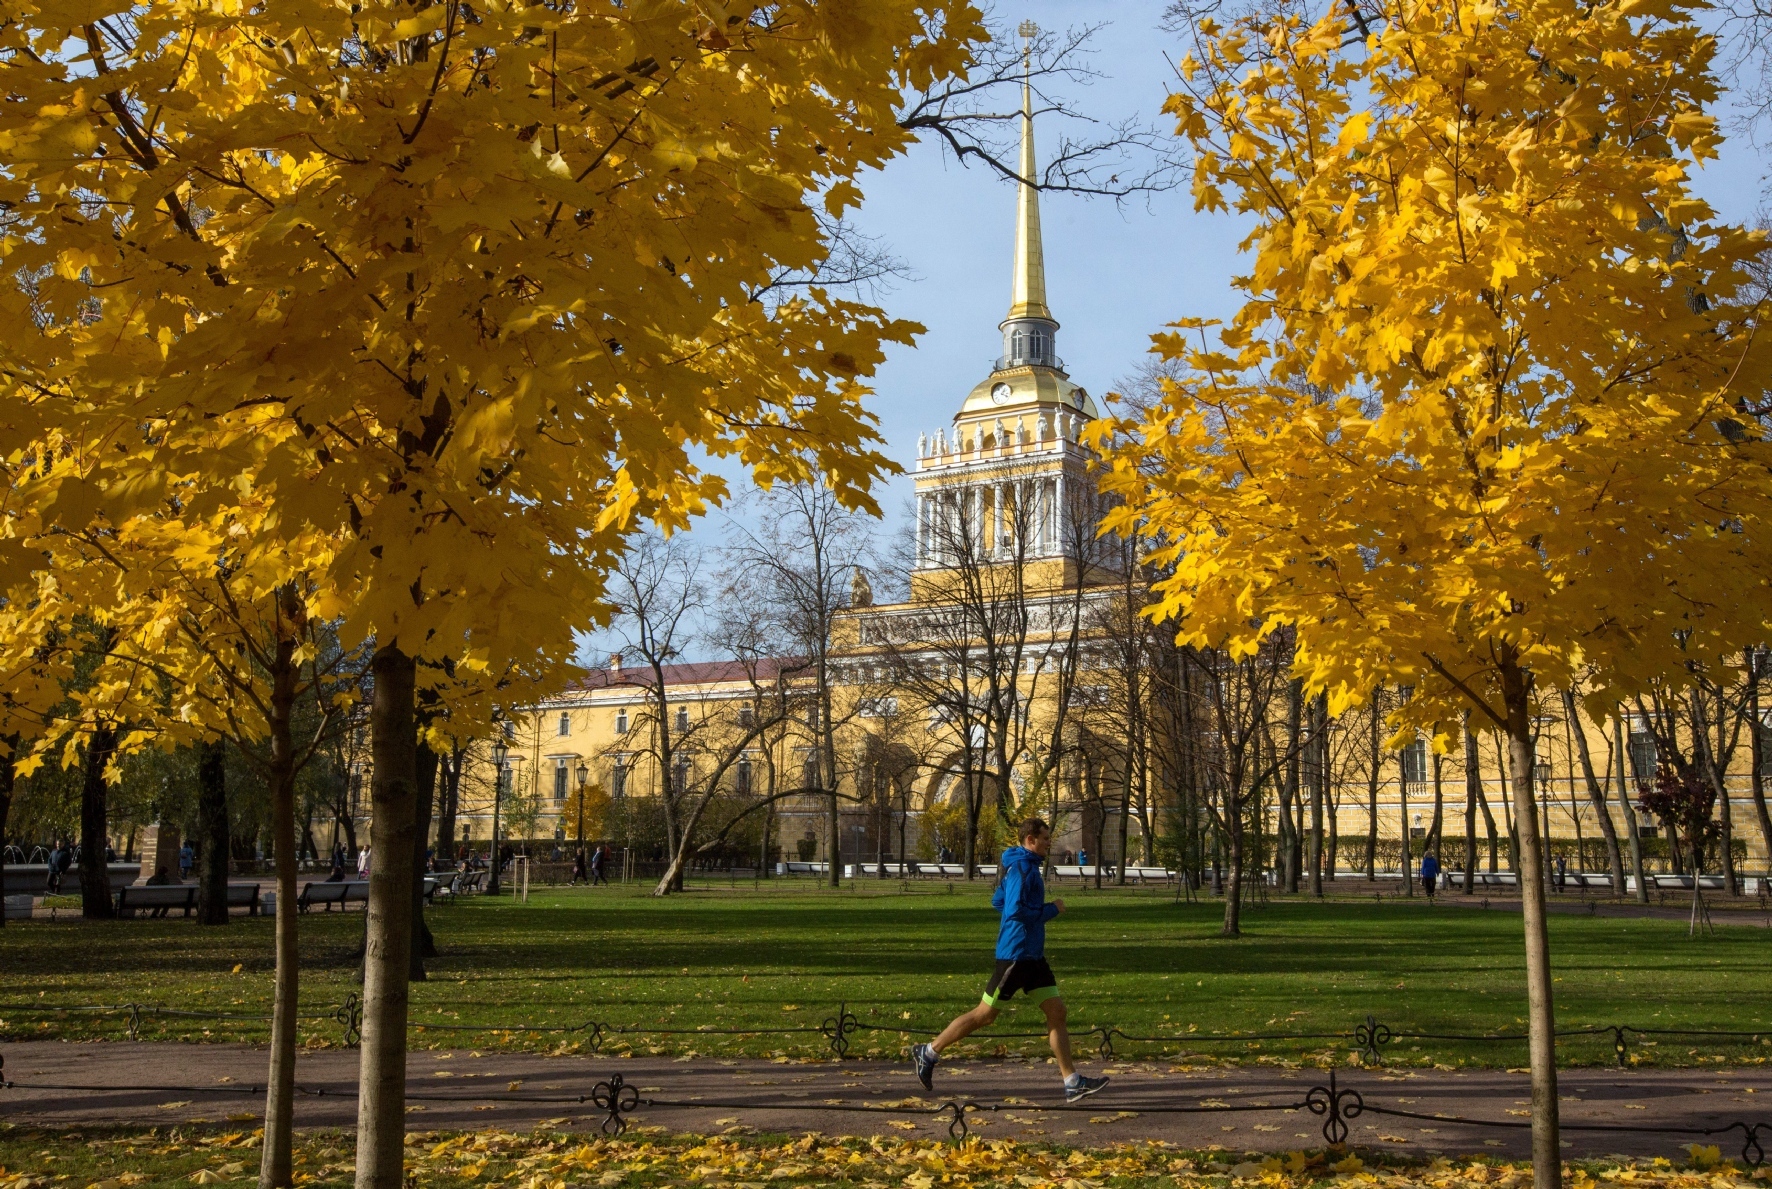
(922, 530)
(1060, 515)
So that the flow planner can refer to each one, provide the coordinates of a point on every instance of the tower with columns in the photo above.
(1009, 477)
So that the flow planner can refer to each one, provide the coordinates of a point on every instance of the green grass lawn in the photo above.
(786, 956)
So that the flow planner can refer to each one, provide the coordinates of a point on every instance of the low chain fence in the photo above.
(1369, 1037)
(615, 1100)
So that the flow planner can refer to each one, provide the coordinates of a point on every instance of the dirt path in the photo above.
(56, 1083)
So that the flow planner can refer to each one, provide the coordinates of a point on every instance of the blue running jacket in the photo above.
(1021, 898)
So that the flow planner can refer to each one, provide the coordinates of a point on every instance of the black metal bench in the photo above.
(342, 893)
(156, 900)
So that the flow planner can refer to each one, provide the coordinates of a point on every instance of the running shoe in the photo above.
(923, 1060)
(1082, 1088)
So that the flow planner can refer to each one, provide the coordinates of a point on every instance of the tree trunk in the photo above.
(1490, 829)
(212, 833)
(423, 944)
(974, 805)
(1720, 750)
(1473, 782)
(1630, 811)
(828, 765)
(1233, 884)
(1596, 792)
(276, 1168)
(1406, 857)
(381, 1105)
(1432, 843)
(1756, 750)
(1125, 817)
(1509, 808)
(448, 804)
(1318, 777)
(95, 873)
(8, 759)
(1547, 1156)
(1289, 801)
(1372, 795)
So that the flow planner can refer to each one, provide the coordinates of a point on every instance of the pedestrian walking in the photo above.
(599, 861)
(187, 858)
(1562, 872)
(1430, 873)
(58, 863)
(1021, 964)
(579, 866)
(363, 860)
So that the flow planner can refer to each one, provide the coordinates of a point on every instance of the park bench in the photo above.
(244, 895)
(795, 867)
(156, 901)
(18, 908)
(1482, 879)
(1141, 874)
(1581, 881)
(342, 893)
(1683, 883)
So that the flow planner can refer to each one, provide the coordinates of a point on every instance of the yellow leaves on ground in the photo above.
(923, 1163)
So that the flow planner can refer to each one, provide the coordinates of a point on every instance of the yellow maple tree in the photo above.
(473, 291)
(1492, 409)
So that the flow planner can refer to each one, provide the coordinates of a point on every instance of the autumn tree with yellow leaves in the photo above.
(472, 290)
(1492, 411)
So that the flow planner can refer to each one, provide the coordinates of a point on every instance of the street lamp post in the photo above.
(1542, 770)
(499, 755)
(583, 772)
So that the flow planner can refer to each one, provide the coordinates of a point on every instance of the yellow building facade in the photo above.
(1005, 517)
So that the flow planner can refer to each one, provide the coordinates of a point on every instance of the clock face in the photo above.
(1001, 393)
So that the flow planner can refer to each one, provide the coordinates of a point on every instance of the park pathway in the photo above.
(59, 1083)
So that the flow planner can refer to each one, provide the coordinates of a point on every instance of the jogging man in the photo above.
(1021, 963)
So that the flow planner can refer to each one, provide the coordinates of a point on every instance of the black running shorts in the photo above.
(1031, 975)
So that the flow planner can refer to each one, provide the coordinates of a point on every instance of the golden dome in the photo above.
(1029, 389)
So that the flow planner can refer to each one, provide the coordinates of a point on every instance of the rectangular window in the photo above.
(621, 721)
(618, 778)
(742, 778)
(559, 781)
(810, 772)
(1415, 762)
(812, 716)
(1643, 758)
(682, 718)
(1765, 749)
(565, 723)
(680, 775)
(878, 707)
(745, 715)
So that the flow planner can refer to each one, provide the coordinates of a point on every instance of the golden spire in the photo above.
(1028, 298)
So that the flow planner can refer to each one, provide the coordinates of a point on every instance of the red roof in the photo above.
(764, 669)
